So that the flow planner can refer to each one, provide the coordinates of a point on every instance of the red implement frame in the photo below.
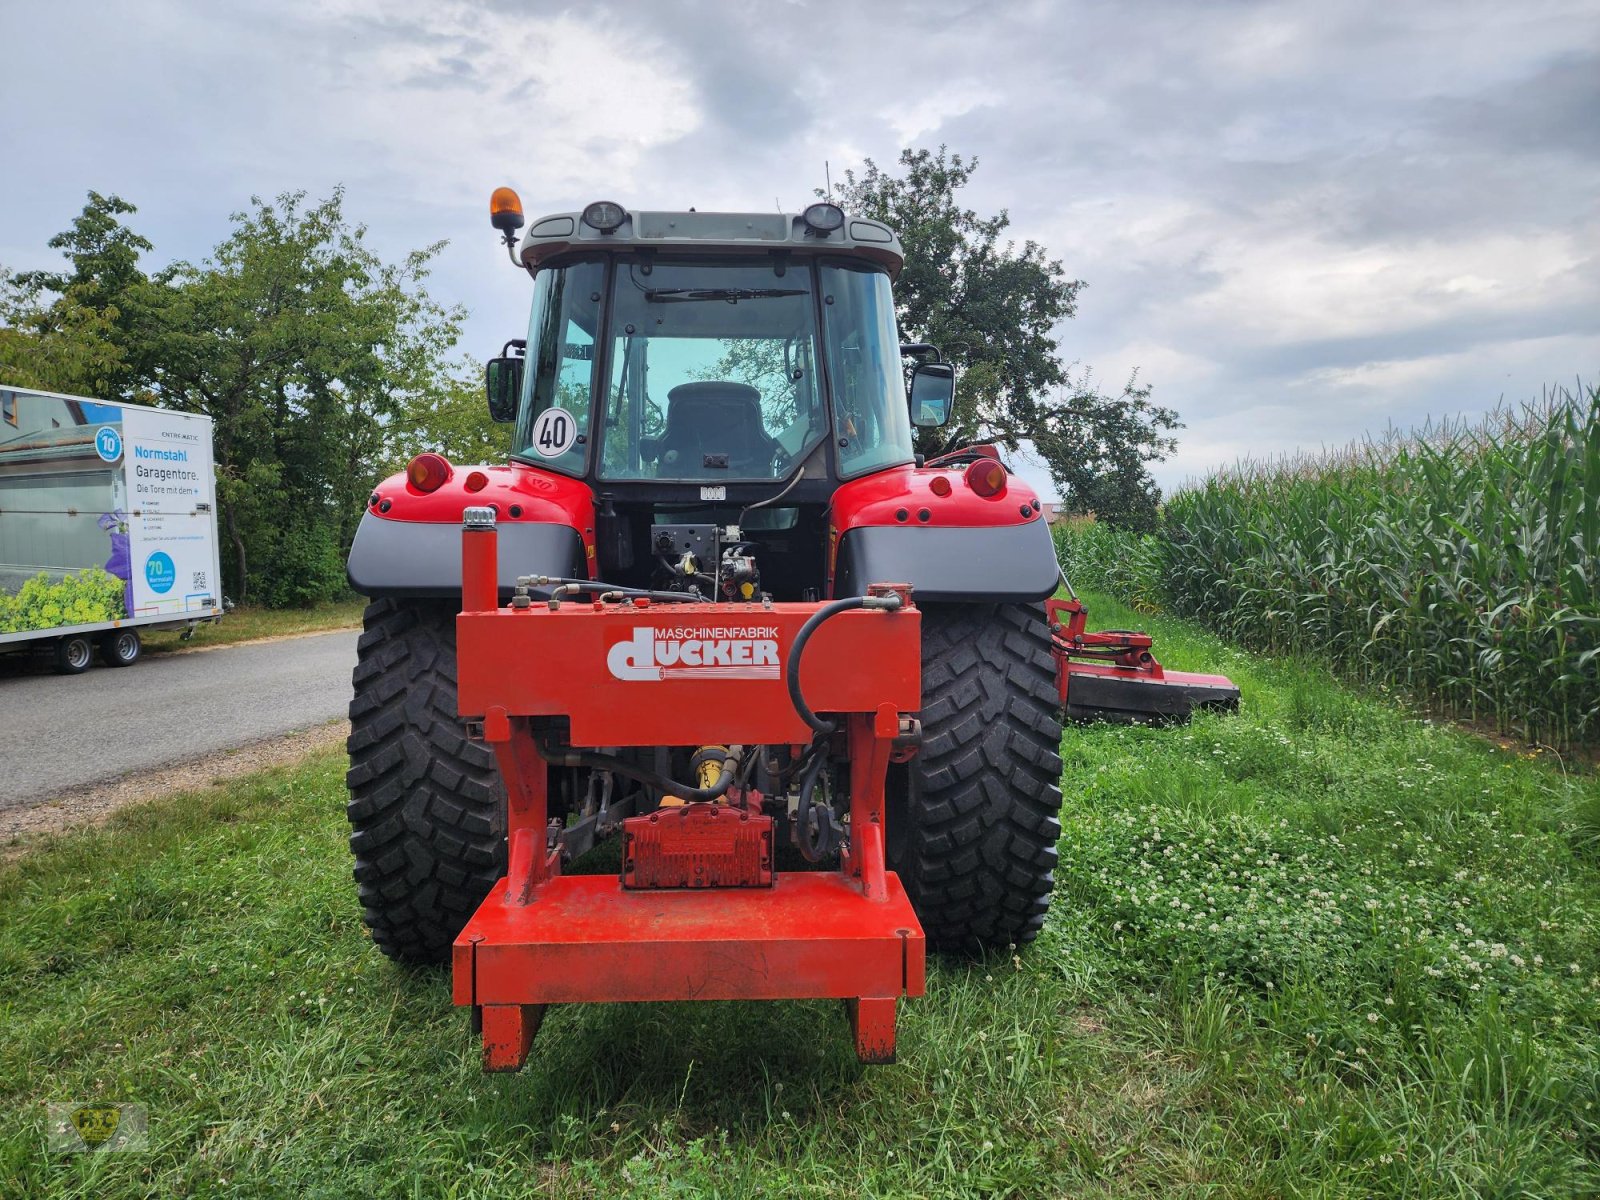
(1113, 675)
(641, 674)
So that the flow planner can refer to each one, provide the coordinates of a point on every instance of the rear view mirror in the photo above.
(503, 383)
(933, 394)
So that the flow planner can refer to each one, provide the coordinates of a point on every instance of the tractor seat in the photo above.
(714, 429)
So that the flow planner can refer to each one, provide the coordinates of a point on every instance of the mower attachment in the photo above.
(1113, 676)
(697, 912)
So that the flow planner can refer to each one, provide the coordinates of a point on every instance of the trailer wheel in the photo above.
(427, 810)
(974, 818)
(73, 655)
(121, 648)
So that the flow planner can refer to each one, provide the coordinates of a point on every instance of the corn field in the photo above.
(1459, 564)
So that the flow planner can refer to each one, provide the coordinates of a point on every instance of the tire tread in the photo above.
(983, 795)
(426, 808)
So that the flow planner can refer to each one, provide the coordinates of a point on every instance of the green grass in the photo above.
(1317, 949)
(247, 623)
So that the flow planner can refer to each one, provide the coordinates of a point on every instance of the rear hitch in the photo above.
(698, 910)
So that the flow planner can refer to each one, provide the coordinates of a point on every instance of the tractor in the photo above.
(715, 607)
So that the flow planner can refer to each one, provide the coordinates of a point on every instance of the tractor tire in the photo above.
(973, 820)
(427, 809)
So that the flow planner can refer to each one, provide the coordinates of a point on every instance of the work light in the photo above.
(823, 218)
(605, 216)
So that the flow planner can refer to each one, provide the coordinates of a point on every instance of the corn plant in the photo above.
(1460, 563)
(1101, 558)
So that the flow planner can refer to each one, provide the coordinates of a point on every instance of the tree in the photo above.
(994, 309)
(315, 358)
(452, 420)
(93, 308)
(305, 347)
(1097, 449)
(56, 347)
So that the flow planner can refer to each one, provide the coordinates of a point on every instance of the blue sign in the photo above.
(159, 572)
(108, 443)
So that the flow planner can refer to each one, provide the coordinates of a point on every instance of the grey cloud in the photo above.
(1554, 111)
(1452, 336)
(741, 61)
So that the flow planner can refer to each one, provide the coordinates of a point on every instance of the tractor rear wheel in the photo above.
(974, 818)
(427, 809)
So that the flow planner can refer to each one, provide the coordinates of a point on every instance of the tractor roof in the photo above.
(721, 233)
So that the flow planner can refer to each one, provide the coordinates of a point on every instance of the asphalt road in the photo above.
(59, 732)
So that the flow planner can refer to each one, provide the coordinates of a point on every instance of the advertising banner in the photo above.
(170, 486)
(63, 520)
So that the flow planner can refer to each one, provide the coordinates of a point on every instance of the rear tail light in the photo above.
(986, 477)
(476, 481)
(428, 472)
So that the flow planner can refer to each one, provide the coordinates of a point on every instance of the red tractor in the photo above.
(716, 606)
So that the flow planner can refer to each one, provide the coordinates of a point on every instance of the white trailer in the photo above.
(108, 526)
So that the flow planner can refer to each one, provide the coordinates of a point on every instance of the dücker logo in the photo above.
(730, 653)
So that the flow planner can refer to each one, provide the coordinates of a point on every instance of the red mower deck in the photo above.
(1113, 675)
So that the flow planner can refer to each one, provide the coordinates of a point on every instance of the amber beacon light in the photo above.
(505, 210)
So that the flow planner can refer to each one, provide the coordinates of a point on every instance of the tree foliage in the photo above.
(1098, 449)
(451, 419)
(70, 330)
(56, 346)
(325, 346)
(994, 309)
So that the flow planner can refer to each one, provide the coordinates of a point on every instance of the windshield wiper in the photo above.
(731, 295)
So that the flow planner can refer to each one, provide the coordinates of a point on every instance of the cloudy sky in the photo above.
(1298, 221)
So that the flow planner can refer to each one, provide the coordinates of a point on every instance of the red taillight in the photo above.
(428, 472)
(476, 481)
(939, 485)
(986, 477)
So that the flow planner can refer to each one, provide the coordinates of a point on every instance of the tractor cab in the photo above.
(721, 371)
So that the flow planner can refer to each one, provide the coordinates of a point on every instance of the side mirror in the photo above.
(933, 394)
(502, 382)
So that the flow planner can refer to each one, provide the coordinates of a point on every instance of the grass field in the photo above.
(1317, 949)
(248, 623)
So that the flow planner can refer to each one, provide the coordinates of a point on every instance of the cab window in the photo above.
(869, 395)
(553, 421)
(713, 371)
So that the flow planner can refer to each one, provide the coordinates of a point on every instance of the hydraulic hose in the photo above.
(788, 487)
(566, 756)
(814, 846)
(824, 727)
(600, 585)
